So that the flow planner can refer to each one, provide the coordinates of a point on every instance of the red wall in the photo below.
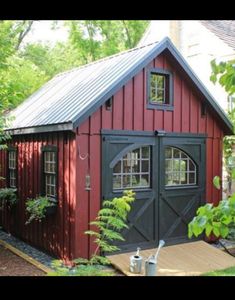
(63, 235)
(54, 233)
(129, 113)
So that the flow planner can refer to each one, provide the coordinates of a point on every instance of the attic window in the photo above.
(160, 89)
(108, 103)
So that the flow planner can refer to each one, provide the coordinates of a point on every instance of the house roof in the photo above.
(70, 97)
(224, 29)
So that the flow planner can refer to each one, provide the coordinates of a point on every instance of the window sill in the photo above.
(160, 106)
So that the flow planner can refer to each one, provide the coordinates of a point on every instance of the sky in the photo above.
(41, 31)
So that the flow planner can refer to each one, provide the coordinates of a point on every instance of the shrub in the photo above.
(38, 207)
(111, 219)
(219, 220)
(8, 196)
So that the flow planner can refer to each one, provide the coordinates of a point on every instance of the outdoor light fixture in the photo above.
(88, 182)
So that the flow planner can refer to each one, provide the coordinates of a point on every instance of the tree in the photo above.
(99, 38)
(224, 73)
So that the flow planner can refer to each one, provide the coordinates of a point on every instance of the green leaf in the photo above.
(216, 231)
(208, 230)
(216, 182)
(224, 231)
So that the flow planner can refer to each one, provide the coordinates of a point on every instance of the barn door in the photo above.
(182, 188)
(127, 162)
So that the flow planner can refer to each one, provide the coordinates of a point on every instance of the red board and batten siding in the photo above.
(79, 154)
(129, 113)
(54, 234)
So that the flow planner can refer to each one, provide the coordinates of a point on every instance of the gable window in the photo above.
(12, 167)
(49, 168)
(160, 91)
(180, 169)
(133, 170)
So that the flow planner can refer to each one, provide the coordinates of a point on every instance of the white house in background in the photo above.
(200, 42)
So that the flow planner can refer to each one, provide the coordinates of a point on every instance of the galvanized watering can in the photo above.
(151, 262)
(136, 262)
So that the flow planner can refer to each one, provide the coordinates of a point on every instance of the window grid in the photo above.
(128, 176)
(176, 174)
(12, 168)
(50, 173)
(158, 88)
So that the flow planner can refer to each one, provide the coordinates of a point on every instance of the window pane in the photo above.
(127, 172)
(191, 166)
(176, 153)
(136, 167)
(126, 181)
(135, 180)
(117, 168)
(176, 165)
(160, 96)
(168, 180)
(168, 153)
(192, 178)
(145, 166)
(183, 177)
(183, 165)
(180, 169)
(168, 165)
(145, 181)
(126, 166)
(117, 182)
(145, 152)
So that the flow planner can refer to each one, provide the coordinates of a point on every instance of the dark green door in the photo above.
(167, 174)
(182, 188)
(127, 163)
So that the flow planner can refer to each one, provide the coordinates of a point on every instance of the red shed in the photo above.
(140, 119)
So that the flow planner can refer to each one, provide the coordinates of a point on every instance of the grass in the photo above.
(225, 272)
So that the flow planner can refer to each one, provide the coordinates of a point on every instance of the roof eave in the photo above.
(41, 129)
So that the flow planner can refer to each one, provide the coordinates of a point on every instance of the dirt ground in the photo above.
(13, 265)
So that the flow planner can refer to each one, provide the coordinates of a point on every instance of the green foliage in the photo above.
(8, 196)
(216, 182)
(224, 73)
(37, 208)
(81, 270)
(99, 38)
(225, 272)
(217, 220)
(110, 221)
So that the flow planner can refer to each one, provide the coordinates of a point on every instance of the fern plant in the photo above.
(111, 219)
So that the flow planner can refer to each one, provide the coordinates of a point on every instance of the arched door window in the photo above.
(133, 170)
(180, 169)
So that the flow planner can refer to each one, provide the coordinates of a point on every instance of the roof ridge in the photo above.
(105, 58)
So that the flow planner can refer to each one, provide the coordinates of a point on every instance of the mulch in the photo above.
(13, 265)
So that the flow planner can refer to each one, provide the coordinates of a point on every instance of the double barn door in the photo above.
(167, 173)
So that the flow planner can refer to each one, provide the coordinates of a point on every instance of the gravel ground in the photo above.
(13, 265)
(27, 249)
(33, 252)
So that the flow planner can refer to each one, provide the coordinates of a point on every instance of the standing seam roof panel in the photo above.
(70, 93)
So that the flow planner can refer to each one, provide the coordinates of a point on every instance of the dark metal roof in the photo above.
(69, 98)
(224, 29)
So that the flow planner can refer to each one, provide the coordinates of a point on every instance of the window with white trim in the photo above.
(133, 170)
(160, 89)
(12, 167)
(50, 171)
(180, 169)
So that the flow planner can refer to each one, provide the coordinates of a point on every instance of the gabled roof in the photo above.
(69, 98)
(223, 29)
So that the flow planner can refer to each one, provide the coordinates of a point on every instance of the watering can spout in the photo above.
(160, 245)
